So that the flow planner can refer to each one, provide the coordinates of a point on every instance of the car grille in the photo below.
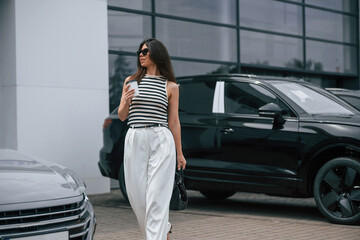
(71, 217)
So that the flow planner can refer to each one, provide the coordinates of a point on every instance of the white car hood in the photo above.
(23, 179)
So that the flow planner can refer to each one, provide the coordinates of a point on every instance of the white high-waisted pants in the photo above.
(149, 164)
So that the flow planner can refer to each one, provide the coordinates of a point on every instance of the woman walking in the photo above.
(153, 140)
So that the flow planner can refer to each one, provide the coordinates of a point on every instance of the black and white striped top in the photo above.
(151, 105)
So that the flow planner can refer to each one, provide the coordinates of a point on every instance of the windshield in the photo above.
(309, 100)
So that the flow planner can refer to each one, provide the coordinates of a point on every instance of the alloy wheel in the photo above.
(337, 190)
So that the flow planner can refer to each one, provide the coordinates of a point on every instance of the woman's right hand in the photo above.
(128, 94)
(125, 101)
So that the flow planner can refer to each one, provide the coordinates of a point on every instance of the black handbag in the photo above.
(179, 198)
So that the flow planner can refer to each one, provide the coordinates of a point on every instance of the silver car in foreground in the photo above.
(42, 200)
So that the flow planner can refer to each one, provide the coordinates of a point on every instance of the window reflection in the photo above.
(185, 68)
(120, 67)
(194, 40)
(223, 11)
(330, 26)
(311, 101)
(340, 5)
(330, 57)
(190, 41)
(272, 50)
(271, 15)
(127, 30)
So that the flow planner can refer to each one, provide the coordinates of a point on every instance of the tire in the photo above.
(122, 182)
(337, 190)
(217, 195)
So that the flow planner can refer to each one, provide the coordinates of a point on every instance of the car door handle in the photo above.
(227, 130)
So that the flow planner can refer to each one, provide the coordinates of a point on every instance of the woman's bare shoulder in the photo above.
(172, 86)
(173, 89)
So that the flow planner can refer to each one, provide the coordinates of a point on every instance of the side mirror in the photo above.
(273, 110)
(270, 110)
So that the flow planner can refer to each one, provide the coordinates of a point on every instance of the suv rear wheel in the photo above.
(337, 190)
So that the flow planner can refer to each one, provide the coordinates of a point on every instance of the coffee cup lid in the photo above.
(130, 81)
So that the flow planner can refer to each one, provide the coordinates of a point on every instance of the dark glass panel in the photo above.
(127, 30)
(184, 68)
(203, 104)
(271, 15)
(271, 50)
(353, 101)
(132, 4)
(194, 40)
(120, 67)
(330, 26)
(330, 57)
(340, 5)
(223, 11)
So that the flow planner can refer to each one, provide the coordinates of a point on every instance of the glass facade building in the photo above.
(317, 40)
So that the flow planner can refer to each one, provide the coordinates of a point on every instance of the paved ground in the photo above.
(243, 216)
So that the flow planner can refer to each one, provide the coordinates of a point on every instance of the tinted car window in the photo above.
(311, 101)
(197, 97)
(247, 98)
(351, 100)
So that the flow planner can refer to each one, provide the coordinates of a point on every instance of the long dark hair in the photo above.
(160, 56)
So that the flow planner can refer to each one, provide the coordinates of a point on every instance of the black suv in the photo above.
(277, 136)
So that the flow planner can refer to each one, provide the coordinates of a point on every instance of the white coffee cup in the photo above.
(134, 85)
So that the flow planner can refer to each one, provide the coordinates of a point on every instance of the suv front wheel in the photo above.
(337, 190)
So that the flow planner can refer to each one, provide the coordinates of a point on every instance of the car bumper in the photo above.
(74, 218)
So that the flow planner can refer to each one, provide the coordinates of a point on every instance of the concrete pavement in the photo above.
(243, 216)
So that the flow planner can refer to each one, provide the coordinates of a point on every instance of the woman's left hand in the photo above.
(181, 162)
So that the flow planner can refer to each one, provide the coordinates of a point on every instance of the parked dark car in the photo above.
(42, 200)
(350, 96)
(277, 136)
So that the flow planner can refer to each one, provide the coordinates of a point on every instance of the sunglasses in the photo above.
(144, 52)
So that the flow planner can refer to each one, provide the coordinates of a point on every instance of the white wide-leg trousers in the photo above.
(149, 164)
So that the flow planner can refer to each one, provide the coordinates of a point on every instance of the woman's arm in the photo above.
(174, 122)
(125, 101)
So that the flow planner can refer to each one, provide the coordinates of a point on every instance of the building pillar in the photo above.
(59, 91)
(8, 127)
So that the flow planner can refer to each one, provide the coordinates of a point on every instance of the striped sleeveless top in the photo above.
(152, 104)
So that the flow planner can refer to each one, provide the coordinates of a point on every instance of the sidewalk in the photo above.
(243, 216)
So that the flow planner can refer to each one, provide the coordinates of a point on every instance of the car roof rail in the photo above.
(249, 76)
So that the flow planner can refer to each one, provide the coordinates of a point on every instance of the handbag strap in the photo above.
(181, 175)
